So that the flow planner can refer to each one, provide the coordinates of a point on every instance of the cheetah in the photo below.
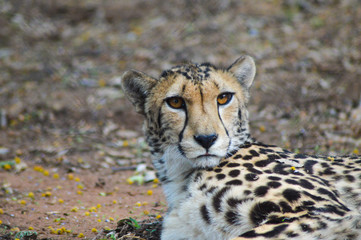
(219, 182)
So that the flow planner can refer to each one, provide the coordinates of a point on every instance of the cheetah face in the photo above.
(196, 109)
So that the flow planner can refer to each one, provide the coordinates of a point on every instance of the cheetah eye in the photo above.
(224, 98)
(175, 102)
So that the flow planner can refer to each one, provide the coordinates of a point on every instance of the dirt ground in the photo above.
(70, 143)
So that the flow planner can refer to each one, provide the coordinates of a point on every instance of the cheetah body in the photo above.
(222, 184)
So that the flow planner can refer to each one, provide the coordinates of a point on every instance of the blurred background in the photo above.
(61, 62)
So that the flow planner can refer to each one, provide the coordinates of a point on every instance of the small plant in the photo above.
(130, 221)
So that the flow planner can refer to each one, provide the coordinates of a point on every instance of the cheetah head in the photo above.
(197, 110)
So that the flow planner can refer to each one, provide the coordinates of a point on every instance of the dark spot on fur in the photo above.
(263, 163)
(253, 170)
(250, 165)
(279, 168)
(222, 164)
(270, 234)
(300, 156)
(273, 157)
(274, 184)
(274, 178)
(202, 187)
(309, 166)
(306, 184)
(250, 234)
(308, 203)
(328, 193)
(314, 197)
(233, 165)
(251, 177)
(205, 214)
(291, 181)
(220, 176)
(261, 191)
(328, 171)
(292, 234)
(232, 217)
(260, 211)
(247, 192)
(247, 157)
(238, 156)
(218, 198)
(254, 153)
(285, 207)
(234, 173)
(291, 195)
(234, 182)
(197, 177)
(350, 178)
(306, 228)
(211, 190)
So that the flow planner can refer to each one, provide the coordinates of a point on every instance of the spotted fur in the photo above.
(222, 184)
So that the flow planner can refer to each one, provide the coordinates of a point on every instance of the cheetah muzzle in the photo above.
(222, 184)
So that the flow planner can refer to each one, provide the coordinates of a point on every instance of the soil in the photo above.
(70, 143)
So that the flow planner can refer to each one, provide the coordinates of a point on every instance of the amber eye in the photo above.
(175, 102)
(224, 98)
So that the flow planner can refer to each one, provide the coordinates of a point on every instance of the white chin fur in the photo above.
(206, 161)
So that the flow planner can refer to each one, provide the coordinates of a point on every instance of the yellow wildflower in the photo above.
(17, 160)
(7, 166)
(92, 209)
(74, 209)
(46, 194)
(262, 128)
(38, 168)
(102, 83)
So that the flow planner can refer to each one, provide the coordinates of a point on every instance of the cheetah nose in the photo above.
(206, 141)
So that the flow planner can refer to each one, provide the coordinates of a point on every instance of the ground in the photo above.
(69, 141)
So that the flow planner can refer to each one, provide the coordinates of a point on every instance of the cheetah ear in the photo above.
(136, 86)
(244, 69)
